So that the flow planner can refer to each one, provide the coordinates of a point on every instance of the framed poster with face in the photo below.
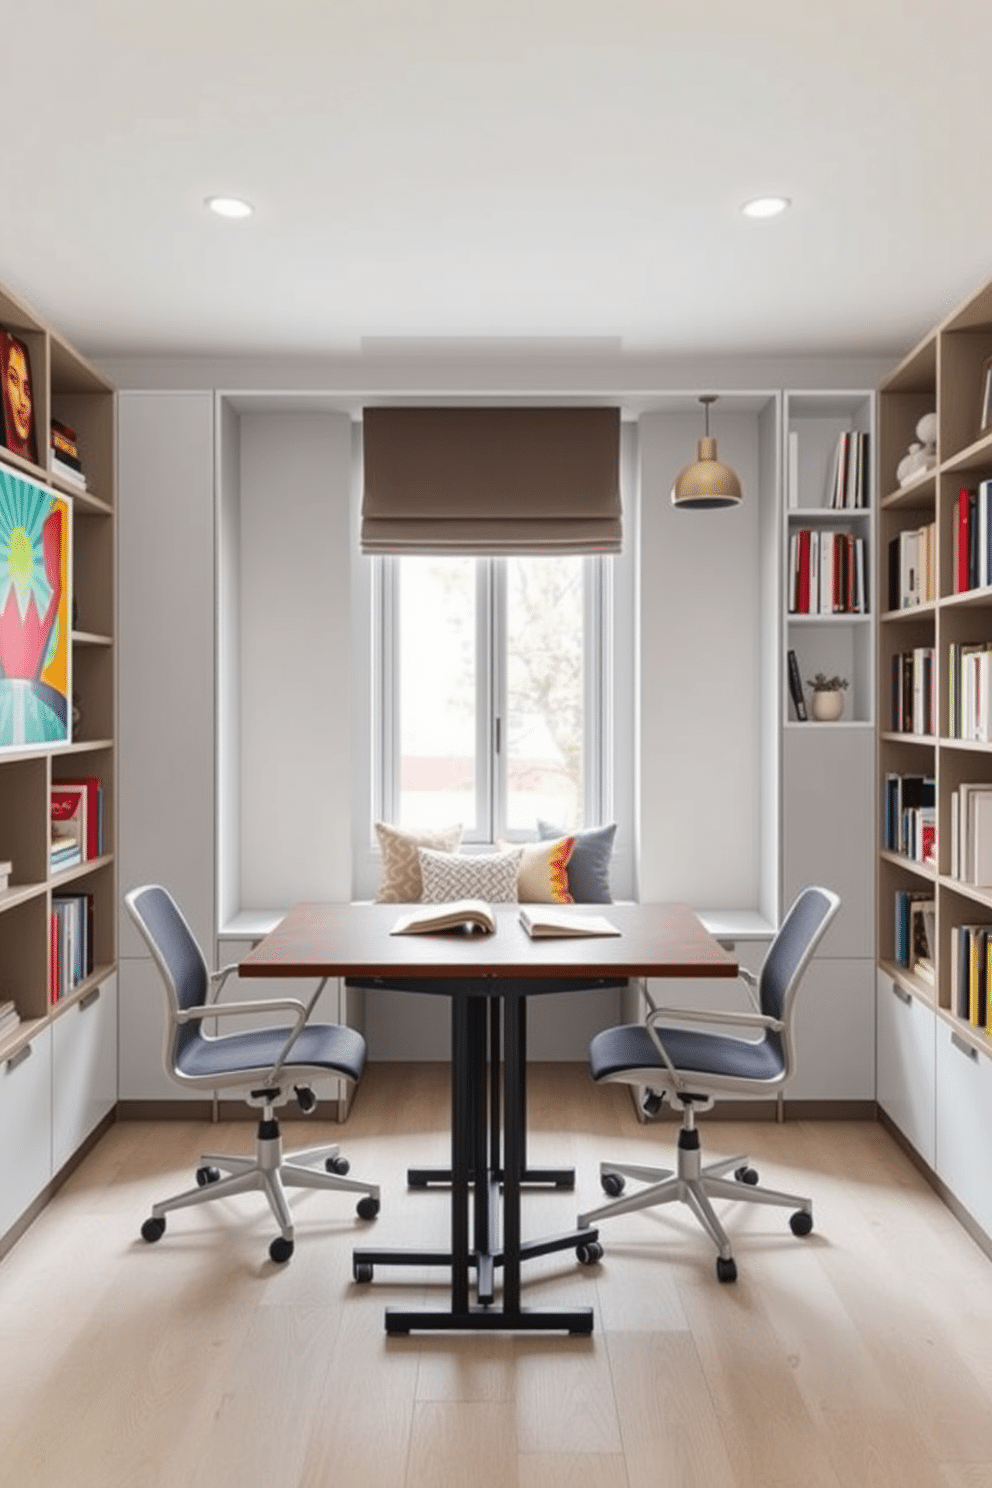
(17, 398)
(35, 608)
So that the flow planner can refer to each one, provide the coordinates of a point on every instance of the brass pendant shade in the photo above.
(708, 483)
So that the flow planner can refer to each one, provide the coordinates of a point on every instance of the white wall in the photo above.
(699, 718)
(295, 648)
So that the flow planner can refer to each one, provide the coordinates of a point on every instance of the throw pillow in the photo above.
(543, 875)
(401, 882)
(589, 865)
(488, 876)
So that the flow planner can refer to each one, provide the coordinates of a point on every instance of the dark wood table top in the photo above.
(354, 940)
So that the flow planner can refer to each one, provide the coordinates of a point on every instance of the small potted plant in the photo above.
(828, 697)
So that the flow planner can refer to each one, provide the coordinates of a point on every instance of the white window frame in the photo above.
(491, 698)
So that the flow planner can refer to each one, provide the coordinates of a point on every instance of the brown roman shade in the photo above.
(491, 480)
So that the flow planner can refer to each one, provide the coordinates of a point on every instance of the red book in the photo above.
(963, 535)
(91, 847)
(802, 602)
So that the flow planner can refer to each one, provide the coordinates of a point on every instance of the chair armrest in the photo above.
(217, 980)
(221, 1010)
(712, 1015)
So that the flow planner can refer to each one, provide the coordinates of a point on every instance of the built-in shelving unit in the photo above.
(76, 1056)
(935, 1042)
(827, 768)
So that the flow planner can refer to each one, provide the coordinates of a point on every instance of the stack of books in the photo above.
(72, 942)
(64, 455)
(848, 484)
(9, 1018)
(971, 556)
(76, 822)
(827, 573)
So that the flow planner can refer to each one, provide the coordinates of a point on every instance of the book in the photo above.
(455, 914)
(67, 472)
(921, 923)
(93, 846)
(796, 688)
(68, 822)
(543, 922)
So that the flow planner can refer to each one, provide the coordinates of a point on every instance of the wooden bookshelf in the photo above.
(67, 1047)
(932, 1058)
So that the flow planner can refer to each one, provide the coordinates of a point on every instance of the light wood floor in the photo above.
(860, 1356)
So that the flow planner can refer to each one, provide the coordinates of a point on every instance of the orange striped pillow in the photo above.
(542, 877)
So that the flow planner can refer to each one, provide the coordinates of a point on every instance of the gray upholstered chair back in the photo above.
(791, 950)
(177, 955)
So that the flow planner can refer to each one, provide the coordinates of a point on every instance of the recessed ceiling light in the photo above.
(230, 206)
(765, 206)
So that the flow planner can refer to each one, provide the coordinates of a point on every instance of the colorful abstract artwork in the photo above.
(35, 652)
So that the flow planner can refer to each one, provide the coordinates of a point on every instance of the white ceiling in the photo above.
(483, 173)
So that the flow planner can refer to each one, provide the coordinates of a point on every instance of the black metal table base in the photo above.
(484, 1319)
(488, 1170)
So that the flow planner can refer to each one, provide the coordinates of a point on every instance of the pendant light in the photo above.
(707, 483)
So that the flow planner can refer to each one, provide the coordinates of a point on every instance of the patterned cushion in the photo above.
(401, 881)
(489, 876)
(542, 877)
(589, 865)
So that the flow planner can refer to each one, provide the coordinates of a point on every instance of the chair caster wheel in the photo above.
(726, 1270)
(746, 1175)
(367, 1208)
(800, 1223)
(207, 1175)
(339, 1165)
(152, 1230)
(612, 1184)
(589, 1252)
(280, 1250)
(362, 1270)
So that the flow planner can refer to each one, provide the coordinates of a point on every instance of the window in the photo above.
(492, 689)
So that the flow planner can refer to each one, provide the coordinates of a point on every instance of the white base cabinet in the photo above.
(26, 1123)
(54, 1091)
(84, 1069)
(835, 1032)
(906, 1035)
(964, 1117)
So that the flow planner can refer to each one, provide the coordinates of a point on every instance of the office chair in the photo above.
(267, 1065)
(693, 1068)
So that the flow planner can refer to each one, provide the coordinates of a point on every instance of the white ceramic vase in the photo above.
(828, 706)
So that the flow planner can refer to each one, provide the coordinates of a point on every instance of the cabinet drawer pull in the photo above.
(91, 997)
(963, 1047)
(901, 993)
(20, 1056)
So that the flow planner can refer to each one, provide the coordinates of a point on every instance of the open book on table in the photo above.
(456, 914)
(542, 922)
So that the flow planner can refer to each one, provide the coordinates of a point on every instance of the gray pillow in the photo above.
(589, 865)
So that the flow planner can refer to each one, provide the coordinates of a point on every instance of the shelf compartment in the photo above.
(24, 956)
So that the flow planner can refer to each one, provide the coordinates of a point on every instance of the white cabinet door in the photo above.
(835, 1032)
(906, 1031)
(84, 1069)
(964, 1119)
(828, 811)
(26, 1124)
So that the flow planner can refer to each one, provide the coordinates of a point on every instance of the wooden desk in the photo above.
(485, 975)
